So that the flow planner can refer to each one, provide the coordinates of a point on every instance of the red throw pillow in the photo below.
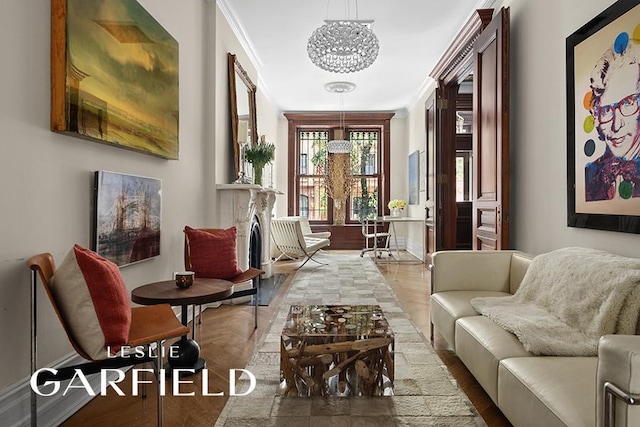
(94, 302)
(213, 255)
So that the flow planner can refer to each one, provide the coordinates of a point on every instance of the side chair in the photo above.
(251, 273)
(149, 325)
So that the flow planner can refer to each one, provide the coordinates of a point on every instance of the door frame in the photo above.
(452, 69)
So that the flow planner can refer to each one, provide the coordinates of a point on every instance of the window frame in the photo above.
(380, 122)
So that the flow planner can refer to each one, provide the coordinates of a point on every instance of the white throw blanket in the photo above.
(568, 299)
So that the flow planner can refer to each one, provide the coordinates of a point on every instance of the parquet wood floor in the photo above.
(227, 340)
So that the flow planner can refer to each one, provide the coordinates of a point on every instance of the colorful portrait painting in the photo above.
(127, 217)
(606, 122)
(114, 76)
(608, 89)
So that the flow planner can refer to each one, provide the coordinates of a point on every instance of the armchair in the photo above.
(149, 324)
(290, 240)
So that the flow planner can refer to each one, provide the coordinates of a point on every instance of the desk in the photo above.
(392, 220)
(202, 291)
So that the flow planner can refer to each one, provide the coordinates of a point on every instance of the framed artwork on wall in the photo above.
(414, 178)
(603, 121)
(423, 171)
(114, 76)
(127, 217)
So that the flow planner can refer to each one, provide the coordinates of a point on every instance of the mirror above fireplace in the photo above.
(242, 96)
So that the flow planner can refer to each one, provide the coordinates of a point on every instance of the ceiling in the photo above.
(413, 35)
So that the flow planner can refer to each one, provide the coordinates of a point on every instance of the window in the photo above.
(308, 136)
(364, 169)
(311, 186)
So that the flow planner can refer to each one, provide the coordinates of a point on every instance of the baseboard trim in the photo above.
(15, 403)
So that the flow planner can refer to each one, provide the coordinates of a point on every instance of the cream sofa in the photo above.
(530, 390)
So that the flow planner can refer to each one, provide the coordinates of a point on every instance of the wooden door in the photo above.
(491, 136)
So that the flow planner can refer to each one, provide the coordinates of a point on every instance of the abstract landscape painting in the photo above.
(127, 217)
(114, 76)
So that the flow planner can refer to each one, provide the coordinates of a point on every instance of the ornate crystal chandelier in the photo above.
(343, 46)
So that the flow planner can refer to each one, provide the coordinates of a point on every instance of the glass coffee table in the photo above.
(337, 350)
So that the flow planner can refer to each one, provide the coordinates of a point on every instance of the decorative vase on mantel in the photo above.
(259, 155)
(257, 174)
(396, 212)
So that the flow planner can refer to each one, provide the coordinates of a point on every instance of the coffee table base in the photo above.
(337, 351)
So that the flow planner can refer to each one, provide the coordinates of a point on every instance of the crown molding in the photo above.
(239, 32)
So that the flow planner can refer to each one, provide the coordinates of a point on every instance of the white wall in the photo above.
(47, 178)
(267, 114)
(538, 136)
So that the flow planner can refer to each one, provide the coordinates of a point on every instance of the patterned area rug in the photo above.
(425, 392)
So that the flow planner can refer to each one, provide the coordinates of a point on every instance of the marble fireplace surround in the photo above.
(238, 205)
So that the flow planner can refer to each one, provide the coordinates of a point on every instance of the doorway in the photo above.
(467, 125)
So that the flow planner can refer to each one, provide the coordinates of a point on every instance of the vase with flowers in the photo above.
(259, 155)
(397, 207)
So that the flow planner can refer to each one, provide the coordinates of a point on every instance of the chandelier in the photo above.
(343, 46)
(339, 145)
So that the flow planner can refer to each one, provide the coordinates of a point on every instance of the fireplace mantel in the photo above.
(237, 205)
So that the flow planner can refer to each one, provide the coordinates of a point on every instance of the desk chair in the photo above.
(251, 273)
(370, 232)
(149, 324)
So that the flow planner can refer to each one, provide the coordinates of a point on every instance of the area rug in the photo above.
(269, 287)
(425, 393)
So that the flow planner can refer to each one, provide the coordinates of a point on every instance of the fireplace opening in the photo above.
(255, 244)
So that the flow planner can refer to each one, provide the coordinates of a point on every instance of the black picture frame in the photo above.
(586, 144)
(622, 211)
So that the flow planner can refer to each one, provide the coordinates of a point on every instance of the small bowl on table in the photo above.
(184, 279)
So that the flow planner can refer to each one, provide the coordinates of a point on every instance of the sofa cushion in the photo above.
(213, 255)
(481, 345)
(449, 306)
(312, 244)
(93, 302)
(553, 391)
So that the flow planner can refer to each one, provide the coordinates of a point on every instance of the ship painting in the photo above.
(128, 212)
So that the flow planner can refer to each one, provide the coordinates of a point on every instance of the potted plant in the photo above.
(259, 155)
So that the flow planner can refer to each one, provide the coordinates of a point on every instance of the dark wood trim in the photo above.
(464, 102)
(446, 164)
(457, 62)
(380, 121)
(332, 118)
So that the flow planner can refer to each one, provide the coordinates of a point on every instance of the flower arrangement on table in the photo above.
(396, 206)
(259, 155)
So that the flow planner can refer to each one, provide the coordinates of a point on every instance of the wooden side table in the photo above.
(202, 291)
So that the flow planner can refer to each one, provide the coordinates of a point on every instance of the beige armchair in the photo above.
(306, 231)
(290, 240)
